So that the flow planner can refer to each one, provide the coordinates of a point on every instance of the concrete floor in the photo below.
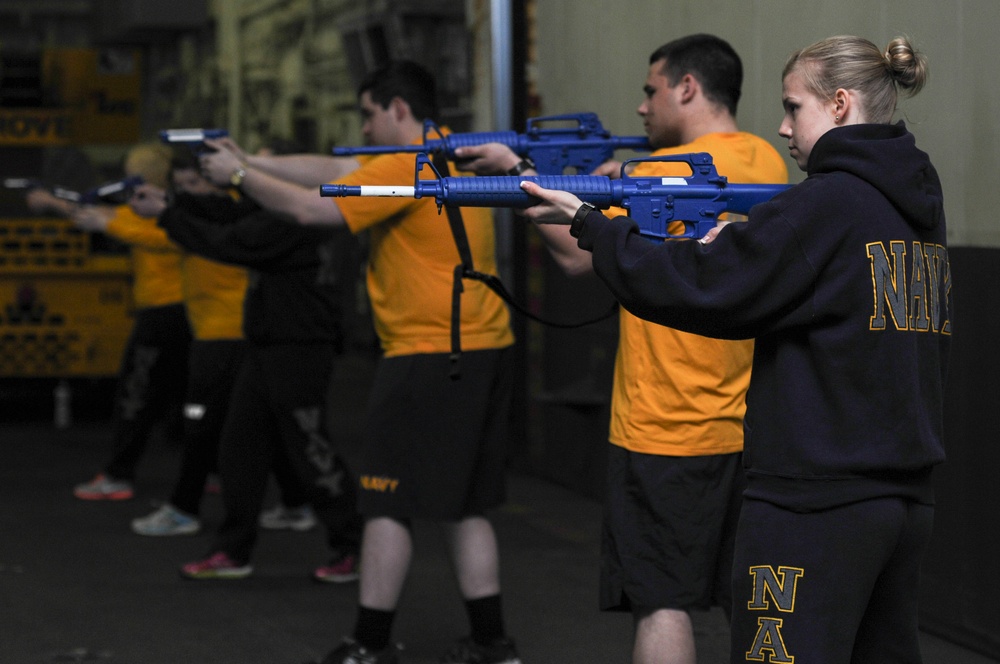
(77, 586)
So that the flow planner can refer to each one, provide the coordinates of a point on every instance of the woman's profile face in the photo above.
(807, 117)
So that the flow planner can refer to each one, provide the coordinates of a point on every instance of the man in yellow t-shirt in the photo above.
(152, 375)
(213, 295)
(433, 447)
(678, 400)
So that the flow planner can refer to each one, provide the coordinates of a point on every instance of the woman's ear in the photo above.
(843, 105)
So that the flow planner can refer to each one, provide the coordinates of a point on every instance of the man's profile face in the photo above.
(659, 109)
(378, 125)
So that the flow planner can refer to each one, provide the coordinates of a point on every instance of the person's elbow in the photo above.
(577, 264)
(321, 212)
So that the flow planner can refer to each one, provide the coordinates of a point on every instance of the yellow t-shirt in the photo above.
(156, 277)
(212, 292)
(411, 264)
(213, 295)
(676, 393)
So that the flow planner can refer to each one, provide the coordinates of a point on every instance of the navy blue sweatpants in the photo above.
(838, 586)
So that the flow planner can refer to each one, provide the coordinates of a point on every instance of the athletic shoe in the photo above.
(343, 568)
(166, 521)
(351, 652)
(299, 519)
(217, 566)
(467, 651)
(103, 487)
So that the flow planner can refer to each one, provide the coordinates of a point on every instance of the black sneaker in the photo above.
(467, 651)
(351, 652)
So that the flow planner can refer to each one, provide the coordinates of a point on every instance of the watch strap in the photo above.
(521, 166)
(576, 227)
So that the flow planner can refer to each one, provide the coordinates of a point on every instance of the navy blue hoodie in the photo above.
(844, 282)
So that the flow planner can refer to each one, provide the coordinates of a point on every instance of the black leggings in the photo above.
(279, 411)
(151, 383)
(212, 373)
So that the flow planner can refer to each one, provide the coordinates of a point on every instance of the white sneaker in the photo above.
(299, 519)
(166, 521)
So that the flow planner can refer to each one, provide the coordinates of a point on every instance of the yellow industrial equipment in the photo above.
(64, 310)
(65, 302)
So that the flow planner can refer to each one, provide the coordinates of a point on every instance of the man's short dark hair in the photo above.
(407, 80)
(709, 59)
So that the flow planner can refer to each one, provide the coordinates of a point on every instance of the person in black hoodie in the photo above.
(845, 284)
(278, 407)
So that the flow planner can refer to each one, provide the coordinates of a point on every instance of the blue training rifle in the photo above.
(653, 202)
(584, 145)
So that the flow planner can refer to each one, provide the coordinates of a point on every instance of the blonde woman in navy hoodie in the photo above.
(844, 282)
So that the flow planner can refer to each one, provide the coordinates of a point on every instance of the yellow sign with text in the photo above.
(96, 96)
(33, 126)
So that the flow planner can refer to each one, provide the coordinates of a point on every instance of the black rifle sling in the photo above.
(465, 255)
(466, 270)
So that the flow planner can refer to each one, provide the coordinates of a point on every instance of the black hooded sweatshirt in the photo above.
(844, 282)
(296, 284)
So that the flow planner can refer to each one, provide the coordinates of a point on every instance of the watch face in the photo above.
(236, 179)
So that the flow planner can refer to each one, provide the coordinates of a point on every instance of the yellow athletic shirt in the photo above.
(212, 292)
(156, 277)
(681, 394)
(411, 263)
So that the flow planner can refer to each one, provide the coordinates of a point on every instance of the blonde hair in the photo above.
(854, 63)
(151, 162)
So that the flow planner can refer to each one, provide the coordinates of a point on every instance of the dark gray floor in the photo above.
(77, 586)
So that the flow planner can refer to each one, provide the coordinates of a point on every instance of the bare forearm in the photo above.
(44, 202)
(304, 169)
(302, 202)
(563, 248)
(495, 158)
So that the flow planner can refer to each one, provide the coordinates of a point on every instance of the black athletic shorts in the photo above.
(669, 530)
(434, 447)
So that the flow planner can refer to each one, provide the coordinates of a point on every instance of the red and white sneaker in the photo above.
(217, 566)
(103, 487)
(342, 569)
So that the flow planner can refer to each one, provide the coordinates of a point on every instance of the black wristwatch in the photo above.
(576, 227)
(521, 166)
